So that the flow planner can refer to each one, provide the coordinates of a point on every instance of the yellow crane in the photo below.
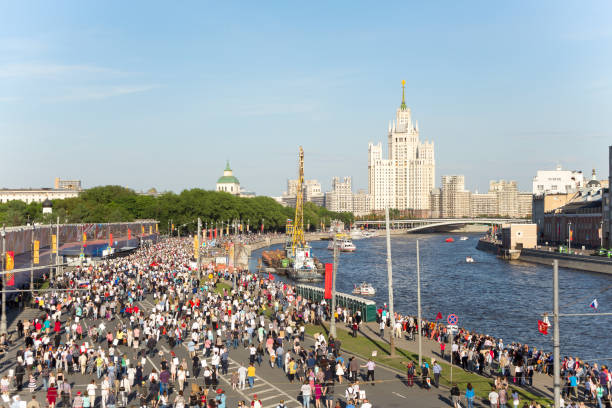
(297, 238)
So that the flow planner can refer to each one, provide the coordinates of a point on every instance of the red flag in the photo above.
(262, 226)
(542, 327)
(571, 234)
(438, 316)
(270, 277)
(110, 239)
(215, 233)
(329, 271)
(129, 234)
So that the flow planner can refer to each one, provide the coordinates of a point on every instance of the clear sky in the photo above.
(157, 94)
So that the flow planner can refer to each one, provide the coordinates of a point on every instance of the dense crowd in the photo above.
(103, 329)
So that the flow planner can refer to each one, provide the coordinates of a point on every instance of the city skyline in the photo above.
(503, 90)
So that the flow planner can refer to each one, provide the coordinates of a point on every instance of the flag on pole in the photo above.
(542, 327)
(571, 235)
(594, 304)
(129, 234)
(439, 316)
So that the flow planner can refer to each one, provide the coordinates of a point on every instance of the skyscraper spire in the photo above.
(403, 105)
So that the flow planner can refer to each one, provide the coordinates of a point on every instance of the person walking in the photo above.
(455, 395)
(251, 375)
(469, 395)
(437, 369)
(306, 392)
(370, 365)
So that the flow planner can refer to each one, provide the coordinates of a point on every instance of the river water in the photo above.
(492, 296)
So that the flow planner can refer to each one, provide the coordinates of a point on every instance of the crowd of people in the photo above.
(122, 312)
(102, 328)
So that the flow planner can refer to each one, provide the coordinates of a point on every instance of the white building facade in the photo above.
(340, 198)
(31, 195)
(403, 181)
(557, 181)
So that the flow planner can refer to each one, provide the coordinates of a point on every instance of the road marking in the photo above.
(152, 363)
(399, 395)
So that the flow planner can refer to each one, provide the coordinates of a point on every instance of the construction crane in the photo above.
(297, 238)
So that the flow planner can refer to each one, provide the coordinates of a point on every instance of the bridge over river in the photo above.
(414, 225)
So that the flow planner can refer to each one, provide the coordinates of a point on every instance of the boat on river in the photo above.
(364, 289)
(469, 259)
(344, 245)
(449, 240)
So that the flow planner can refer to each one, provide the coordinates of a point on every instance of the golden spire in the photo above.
(403, 105)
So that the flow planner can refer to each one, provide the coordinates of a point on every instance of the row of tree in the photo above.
(119, 204)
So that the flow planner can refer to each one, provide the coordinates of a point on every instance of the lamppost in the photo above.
(601, 234)
(3, 318)
(569, 237)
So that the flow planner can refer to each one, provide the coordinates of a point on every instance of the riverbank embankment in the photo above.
(546, 257)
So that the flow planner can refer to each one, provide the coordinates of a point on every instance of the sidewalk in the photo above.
(542, 384)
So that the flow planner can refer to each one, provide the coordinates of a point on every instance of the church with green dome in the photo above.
(228, 182)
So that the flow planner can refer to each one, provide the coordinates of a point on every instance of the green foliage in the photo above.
(116, 204)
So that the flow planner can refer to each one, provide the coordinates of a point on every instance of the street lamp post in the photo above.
(569, 237)
(3, 318)
(601, 234)
(32, 260)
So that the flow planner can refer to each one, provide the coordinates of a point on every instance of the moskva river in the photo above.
(492, 296)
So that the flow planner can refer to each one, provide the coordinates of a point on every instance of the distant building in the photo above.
(607, 237)
(545, 203)
(67, 184)
(557, 181)
(581, 218)
(63, 189)
(455, 198)
(311, 189)
(228, 182)
(361, 203)
(452, 200)
(484, 204)
(340, 198)
(404, 180)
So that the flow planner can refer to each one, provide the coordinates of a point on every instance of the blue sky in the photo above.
(146, 94)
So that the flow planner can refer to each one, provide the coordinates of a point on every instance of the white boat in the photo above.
(364, 289)
(344, 245)
(469, 259)
(464, 238)
(369, 234)
(357, 234)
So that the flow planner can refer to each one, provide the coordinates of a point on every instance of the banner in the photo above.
(196, 245)
(54, 244)
(10, 260)
(84, 238)
(571, 235)
(150, 230)
(215, 233)
(129, 234)
(10, 264)
(231, 254)
(156, 228)
(142, 229)
(262, 225)
(36, 252)
(110, 239)
(329, 271)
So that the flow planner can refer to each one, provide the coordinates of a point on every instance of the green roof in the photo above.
(228, 179)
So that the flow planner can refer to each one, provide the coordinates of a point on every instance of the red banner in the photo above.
(438, 316)
(129, 234)
(329, 271)
(110, 239)
(262, 227)
(215, 233)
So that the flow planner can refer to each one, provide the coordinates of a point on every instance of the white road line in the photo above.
(152, 363)
(399, 395)
(273, 396)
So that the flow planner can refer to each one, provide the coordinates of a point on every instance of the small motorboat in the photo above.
(449, 240)
(344, 245)
(364, 289)
(464, 238)
(469, 259)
